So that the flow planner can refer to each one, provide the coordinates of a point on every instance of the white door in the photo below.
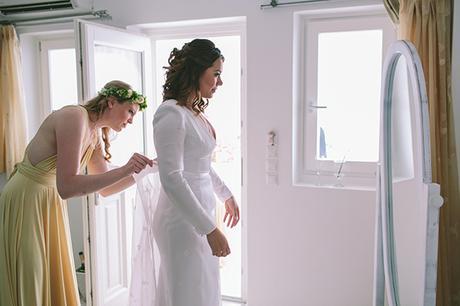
(105, 54)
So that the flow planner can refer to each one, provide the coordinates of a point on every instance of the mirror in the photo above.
(408, 201)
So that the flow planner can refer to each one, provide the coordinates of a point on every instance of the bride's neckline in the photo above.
(204, 121)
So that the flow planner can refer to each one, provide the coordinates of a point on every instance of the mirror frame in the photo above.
(385, 269)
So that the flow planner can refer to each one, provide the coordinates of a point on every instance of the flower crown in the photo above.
(125, 94)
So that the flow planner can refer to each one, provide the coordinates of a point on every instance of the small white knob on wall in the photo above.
(271, 159)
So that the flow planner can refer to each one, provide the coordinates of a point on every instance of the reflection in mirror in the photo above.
(408, 200)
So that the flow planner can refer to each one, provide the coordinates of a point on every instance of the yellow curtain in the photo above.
(428, 24)
(392, 7)
(13, 137)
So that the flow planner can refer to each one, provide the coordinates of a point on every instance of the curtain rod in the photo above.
(101, 14)
(275, 4)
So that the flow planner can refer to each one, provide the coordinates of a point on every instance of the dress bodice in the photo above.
(198, 142)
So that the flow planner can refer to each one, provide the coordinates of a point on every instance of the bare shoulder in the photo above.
(70, 112)
(65, 125)
(70, 117)
(71, 120)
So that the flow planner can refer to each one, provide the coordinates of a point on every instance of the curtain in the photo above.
(13, 137)
(428, 25)
(392, 7)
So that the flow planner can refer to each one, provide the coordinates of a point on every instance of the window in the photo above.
(338, 61)
(59, 75)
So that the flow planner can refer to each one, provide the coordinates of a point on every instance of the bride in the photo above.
(180, 215)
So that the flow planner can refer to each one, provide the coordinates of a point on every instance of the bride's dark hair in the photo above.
(184, 71)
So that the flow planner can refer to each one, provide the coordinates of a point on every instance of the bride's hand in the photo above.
(218, 243)
(232, 212)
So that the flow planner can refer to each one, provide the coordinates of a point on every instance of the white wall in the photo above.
(30, 62)
(306, 246)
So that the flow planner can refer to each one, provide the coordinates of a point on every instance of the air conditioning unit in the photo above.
(12, 7)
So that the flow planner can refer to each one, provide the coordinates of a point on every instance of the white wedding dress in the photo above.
(177, 223)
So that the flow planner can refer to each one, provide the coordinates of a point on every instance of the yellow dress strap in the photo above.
(86, 157)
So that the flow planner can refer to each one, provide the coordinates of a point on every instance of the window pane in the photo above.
(349, 75)
(62, 71)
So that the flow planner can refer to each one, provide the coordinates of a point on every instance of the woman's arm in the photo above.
(98, 165)
(220, 189)
(69, 129)
(232, 211)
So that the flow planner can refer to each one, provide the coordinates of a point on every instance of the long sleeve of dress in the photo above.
(169, 136)
(220, 189)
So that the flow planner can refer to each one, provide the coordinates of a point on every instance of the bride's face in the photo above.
(211, 79)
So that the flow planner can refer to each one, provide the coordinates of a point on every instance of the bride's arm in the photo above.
(169, 137)
(220, 189)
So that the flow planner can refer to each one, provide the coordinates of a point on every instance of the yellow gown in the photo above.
(36, 261)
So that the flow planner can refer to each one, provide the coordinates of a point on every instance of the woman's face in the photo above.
(121, 114)
(210, 79)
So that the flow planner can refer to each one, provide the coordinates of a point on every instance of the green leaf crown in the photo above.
(125, 94)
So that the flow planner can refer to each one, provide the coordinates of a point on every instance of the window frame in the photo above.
(45, 45)
(307, 170)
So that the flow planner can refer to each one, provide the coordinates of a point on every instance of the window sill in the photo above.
(347, 182)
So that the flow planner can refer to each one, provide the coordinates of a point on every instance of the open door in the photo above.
(104, 54)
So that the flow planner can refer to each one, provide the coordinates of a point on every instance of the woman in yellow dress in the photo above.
(36, 264)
